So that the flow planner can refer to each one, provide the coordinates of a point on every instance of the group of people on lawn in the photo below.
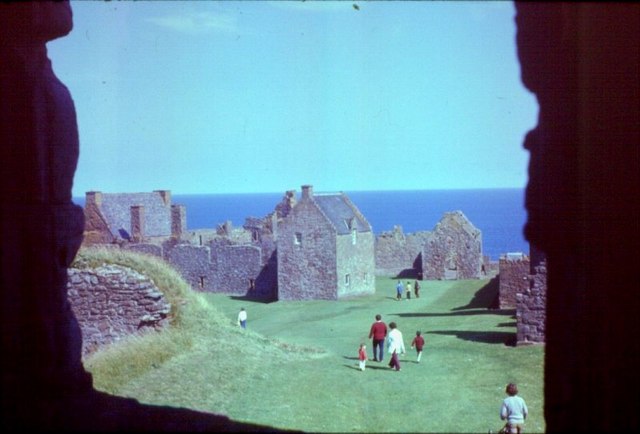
(400, 289)
(395, 344)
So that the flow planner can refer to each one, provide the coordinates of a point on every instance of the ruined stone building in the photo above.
(514, 270)
(453, 250)
(325, 249)
(399, 254)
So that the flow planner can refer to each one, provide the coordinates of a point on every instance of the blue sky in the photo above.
(232, 97)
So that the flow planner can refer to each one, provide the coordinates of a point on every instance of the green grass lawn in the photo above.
(295, 366)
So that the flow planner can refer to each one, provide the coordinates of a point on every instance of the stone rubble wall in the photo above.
(397, 254)
(112, 302)
(531, 305)
(514, 279)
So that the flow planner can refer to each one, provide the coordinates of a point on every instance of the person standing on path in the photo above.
(416, 289)
(378, 333)
(396, 345)
(418, 343)
(242, 318)
(514, 410)
(408, 290)
(399, 290)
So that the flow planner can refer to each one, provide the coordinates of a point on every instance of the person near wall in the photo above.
(418, 343)
(242, 318)
(408, 290)
(399, 290)
(514, 410)
(396, 345)
(362, 356)
(416, 289)
(378, 333)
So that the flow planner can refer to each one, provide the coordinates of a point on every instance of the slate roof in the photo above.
(341, 212)
(116, 210)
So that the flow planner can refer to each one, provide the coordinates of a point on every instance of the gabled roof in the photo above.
(341, 212)
(116, 210)
(458, 220)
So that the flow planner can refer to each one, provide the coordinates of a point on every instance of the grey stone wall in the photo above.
(236, 268)
(306, 271)
(531, 303)
(397, 254)
(357, 262)
(146, 248)
(194, 264)
(514, 279)
(111, 302)
(453, 250)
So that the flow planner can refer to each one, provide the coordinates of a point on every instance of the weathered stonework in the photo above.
(112, 302)
(398, 254)
(514, 270)
(453, 250)
(531, 303)
(325, 250)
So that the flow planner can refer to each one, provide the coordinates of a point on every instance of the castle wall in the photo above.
(237, 267)
(514, 279)
(531, 303)
(306, 271)
(194, 264)
(146, 248)
(356, 261)
(111, 302)
(397, 254)
(453, 250)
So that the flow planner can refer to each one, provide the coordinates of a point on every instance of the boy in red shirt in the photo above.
(418, 342)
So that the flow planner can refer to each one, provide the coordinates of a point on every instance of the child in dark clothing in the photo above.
(418, 342)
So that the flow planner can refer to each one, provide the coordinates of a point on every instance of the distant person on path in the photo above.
(416, 289)
(408, 290)
(396, 345)
(514, 410)
(378, 333)
(362, 356)
(418, 343)
(242, 318)
(399, 290)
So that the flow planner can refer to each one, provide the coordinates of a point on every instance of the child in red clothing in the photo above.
(362, 356)
(418, 342)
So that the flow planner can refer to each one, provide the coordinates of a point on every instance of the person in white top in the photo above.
(242, 318)
(395, 343)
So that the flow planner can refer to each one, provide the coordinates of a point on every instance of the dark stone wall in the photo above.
(531, 312)
(514, 279)
(237, 268)
(112, 302)
(307, 271)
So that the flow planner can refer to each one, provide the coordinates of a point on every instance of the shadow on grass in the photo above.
(485, 297)
(508, 324)
(357, 368)
(505, 338)
(252, 299)
(510, 312)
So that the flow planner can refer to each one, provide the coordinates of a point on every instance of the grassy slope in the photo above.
(312, 382)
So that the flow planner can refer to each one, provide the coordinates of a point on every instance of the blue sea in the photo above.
(498, 213)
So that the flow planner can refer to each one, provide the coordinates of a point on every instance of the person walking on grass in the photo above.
(514, 410)
(416, 289)
(378, 333)
(418, 343)
(399, 290)
(408, 290)
(362, 356)
(396, 346)
(242, 318)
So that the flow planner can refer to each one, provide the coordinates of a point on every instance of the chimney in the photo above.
(307, 191)
(93, 198)
(137, 223)
(178, 220)
(165, 195)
